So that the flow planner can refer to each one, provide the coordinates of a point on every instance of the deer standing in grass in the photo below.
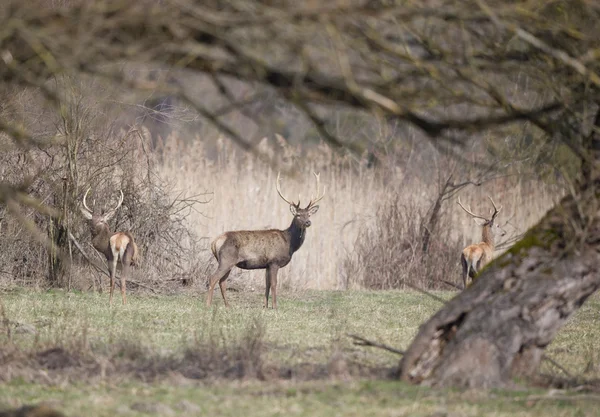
(116, 247)
(475, 257)
(262, 249)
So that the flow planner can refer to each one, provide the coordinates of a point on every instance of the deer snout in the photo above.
(307, 223)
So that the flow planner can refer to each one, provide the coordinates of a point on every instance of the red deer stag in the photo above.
(116, 247)
(262, 249)
(475, 257)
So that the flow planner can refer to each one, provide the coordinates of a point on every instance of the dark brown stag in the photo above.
(117, 247)
(262, 249)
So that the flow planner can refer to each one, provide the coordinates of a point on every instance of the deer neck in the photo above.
(296, 234)
(101, 237)
(487, 236)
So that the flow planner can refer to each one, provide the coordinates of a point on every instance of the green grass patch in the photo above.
(316, 398)
(170, 355)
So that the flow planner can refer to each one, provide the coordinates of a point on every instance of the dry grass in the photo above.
(244, 197)
(160, 211)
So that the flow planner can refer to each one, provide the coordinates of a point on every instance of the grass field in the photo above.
(169, 355)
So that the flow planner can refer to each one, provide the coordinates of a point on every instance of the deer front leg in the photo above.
(272, 272)
(267, 287)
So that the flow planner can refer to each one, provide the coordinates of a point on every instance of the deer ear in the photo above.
(479, 222)
(313, 210)
(293, 210)
(86, 213)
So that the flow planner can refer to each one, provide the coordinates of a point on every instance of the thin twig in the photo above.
(559, 366)
(451, 284)
(361, 341)
(558, 397)
(425, 292)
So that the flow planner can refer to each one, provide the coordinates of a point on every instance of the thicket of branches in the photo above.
(88, 153)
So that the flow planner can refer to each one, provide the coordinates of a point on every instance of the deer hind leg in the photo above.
(222, 272)
(113, 270)
(466, 266)
(478, 264)
(124, 270)
(126, 260)
(223, 286)
(475, 265)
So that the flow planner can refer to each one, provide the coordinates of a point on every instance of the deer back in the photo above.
(253, 248)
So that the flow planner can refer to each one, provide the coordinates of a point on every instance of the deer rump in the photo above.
(123, 244)
(257, 248)
(478, 258)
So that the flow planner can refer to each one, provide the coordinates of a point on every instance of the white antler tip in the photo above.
(84, 200)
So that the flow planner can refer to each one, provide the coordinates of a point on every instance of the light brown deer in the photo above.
(262, 249)
(475, 257)
(116, 247)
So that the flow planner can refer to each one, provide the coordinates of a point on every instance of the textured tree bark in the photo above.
(499, 327)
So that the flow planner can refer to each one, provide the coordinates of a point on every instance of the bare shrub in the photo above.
(388, 254)
(226, 356)
(23, 259)
(212, 355)
(91, 152)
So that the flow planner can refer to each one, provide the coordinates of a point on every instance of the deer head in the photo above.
(99, 220)
(302, 215)
(488, 224)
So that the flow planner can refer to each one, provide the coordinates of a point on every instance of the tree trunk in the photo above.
(427, 230)
(58, 234)
(56, 268)
(498, 328)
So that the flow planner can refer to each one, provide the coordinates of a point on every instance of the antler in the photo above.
(113, 211)
(84, 203)
(319, 198)
(281, 195)
(312, 201)
(496, 210)
(468, 210)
